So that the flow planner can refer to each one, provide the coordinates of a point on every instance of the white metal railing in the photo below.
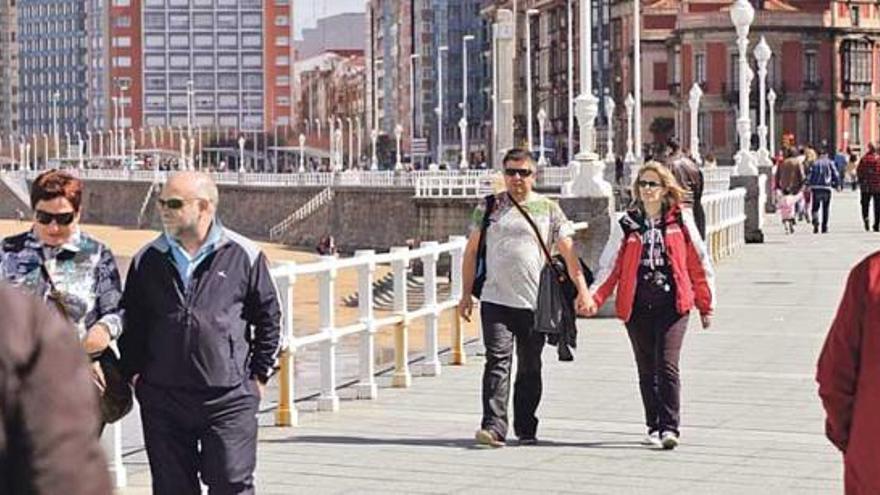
(716, 179)
(303, 212)
(368, 323)
(454, 186)
(725, 222)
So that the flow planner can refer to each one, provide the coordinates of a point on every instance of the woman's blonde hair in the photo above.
(674, 192)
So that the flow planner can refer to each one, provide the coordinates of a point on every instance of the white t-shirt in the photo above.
(514, 258)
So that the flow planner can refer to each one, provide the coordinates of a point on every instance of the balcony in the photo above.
(813, 85)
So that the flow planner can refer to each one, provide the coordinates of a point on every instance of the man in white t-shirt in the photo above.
(514, 260)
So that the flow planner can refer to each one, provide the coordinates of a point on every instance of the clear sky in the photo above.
(306, 12)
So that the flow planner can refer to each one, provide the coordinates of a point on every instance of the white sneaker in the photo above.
(652, 439)
(669, 440)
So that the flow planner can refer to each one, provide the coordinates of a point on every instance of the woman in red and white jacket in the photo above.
(658, 263)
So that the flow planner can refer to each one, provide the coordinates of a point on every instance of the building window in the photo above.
(734, 72)
(282, 101)
(810, 121)
(123, 62)
(122, 21)
(121, 3)
(284, 61)
(282, 80)
(855, 15)
(811, 72)
(855, 128)
(700, 68)
(281, 20)
(282, 41)
(703, 129)
(122, 41)
(857, 66)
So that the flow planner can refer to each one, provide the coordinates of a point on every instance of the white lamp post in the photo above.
(67, 143)
(529, 115)
(100, 143)
(27, 156)
(398, 131)
(694, 104)
(771, 102)
(463, 123)
(742, 14)
(412, 98)
(629, 104)
(360, 136)
(331, 136)
(45, 150)
(81, 148)
(762, 55)
(609, 116)
(241, 142)
(374, 160)
(302, 153)
(439, 109)
(570, 106)
(55, 97)
(542, 121)
(36, 148)
(339, 163)
(122, 88)
(351, 160)
(318, 125)
(637, 76)
(89, 145)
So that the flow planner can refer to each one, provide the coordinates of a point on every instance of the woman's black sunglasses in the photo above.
(62, 219)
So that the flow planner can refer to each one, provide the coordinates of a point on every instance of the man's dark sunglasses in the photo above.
(62, 219)
(522, 172)
(174, 203)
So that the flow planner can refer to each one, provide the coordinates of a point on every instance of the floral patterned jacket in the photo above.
(82, 270)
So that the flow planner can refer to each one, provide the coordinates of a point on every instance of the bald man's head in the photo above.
(194, 185)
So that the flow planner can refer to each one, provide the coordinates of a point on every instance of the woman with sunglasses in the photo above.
(658, 264)
(58, 262)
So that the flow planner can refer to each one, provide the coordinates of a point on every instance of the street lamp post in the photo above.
(189, 120)
(302, 153)
(241, 142)
(741, 15)
(463, 123)
(771, 102)
(694, 104)
(542, 121)
(398, 131)
(55, 97)
(351, 160)
(360, 135)
(27, 156)
(115, 146)
(637, 76)
(570, 105)
(339, 147)
(439, 109)
(45, 150)
(762, 55)
(412, 98)
(529, 116)
(609, 116)
(122, 88)
(36, 148)
(89, 145)
(374, 160)
(629, 104)
(331, 136)
(67, 144)
(318, 125)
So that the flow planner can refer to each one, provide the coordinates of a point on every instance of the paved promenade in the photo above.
(752, 423)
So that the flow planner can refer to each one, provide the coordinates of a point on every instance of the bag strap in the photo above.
(537, 233)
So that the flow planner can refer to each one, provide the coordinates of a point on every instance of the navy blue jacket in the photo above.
(224, 329)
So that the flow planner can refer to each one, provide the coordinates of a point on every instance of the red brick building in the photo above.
(822, 69)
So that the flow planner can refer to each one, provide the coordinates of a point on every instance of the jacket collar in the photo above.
(72, 245)
(217, 234)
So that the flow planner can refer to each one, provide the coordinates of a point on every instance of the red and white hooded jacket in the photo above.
(688, 258)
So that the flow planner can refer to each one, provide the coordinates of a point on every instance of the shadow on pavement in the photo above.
(461, 443)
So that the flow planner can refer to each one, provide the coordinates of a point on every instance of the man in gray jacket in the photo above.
(202, 322)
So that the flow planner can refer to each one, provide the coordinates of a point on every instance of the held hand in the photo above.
(706, 320)
(466, 307)
(98, 376)
(97, 339)
(585, 306)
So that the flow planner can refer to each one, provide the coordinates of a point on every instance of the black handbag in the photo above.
(480, 270)
(115, 396)
(555, 313)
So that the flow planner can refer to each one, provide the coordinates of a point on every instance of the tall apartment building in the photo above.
(60, 64)
(228, 61)
(8, 68)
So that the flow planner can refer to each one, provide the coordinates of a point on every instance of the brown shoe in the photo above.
(488, 438)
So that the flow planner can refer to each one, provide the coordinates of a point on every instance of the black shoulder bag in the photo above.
(115, 393)
(555, 314)
(480, 270)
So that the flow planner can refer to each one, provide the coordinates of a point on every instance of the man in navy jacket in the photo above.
(202, 334)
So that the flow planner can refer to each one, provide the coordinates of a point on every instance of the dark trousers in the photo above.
(821, 198)
(656, 336)
(866, 199)
(503, 329)
(191, 432)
